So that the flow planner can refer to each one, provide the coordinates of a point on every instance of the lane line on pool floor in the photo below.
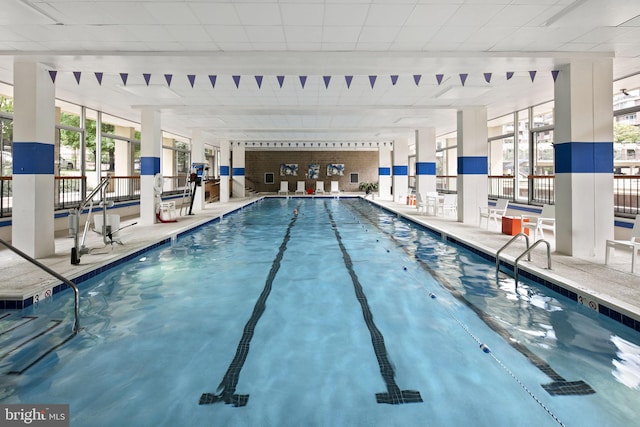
(394, 395)
(559, 386)
(227, 387)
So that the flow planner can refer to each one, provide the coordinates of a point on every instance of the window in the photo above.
(354, 178)
(269, 178)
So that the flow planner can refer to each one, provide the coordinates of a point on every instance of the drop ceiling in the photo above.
(313, 70)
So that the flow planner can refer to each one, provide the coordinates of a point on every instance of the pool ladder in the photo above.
(526, 252)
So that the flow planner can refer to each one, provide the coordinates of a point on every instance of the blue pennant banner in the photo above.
(439, 78)
(192, 79)
(532, 74)
(77, 75)
(372, 80)
(348, 79)
(554, 74)
(487, 77)
(147, 78)
(212, 79)
(394, 79)
(509, 75)
(303, 81)
(416, 78)
(259, 81)
(168, 78)
(53, 75)
(326, 79)
(280, 81)
(99, 78)
(124, 77)
(463, 78)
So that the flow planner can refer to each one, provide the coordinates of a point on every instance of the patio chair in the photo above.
(449, 204)
(300, 188)
(284, 188)
(496, 213)
(633, 243)
(334, 187)
(546, 221)
(319, 187)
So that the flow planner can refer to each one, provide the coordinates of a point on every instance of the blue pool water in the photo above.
(341, 315)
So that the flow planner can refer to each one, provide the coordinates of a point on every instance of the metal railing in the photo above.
(76, 292)
(513, 239)
(526, 252)
(626, 195)
(542, 189)
(501, 187)
(6, 196)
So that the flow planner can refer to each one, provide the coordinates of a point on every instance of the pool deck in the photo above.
(611, 286)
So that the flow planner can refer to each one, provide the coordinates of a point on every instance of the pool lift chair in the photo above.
(79, 247)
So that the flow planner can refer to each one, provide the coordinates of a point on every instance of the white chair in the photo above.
(449, 204)
(300, 188)
(319, 187)
(546, 221)
(431, 202)
(421, 203)
(284, 187)
(496, 213)
(633, 243)
(334, 187)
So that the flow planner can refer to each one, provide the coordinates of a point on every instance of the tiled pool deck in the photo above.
(612, 290)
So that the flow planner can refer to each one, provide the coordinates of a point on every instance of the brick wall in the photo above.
(257, 163)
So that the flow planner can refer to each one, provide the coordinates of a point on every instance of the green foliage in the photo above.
(625, 134)
(72, 139)
(368, 187)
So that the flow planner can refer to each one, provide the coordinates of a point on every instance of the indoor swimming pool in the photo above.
(324, 312)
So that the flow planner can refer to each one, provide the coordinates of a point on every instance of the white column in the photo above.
(197, 156)
(150, 155)
(384, 171)
(472, 163)
(225, 156)
(33, 160)
(237, 172)
(400, 169)
(425, 160)
(584, 157)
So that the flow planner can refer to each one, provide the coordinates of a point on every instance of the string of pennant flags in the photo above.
(302, 79)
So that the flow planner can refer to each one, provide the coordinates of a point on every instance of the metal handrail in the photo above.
(507, 244)
(515, 267)
(76, 323)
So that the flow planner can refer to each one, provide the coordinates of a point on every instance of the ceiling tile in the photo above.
(215, 13)
(302, 14)
(259, 13)
(171, 13)
(345, 14)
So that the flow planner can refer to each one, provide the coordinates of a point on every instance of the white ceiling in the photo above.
(313, 38)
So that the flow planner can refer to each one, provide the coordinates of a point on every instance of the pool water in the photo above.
(341, 315)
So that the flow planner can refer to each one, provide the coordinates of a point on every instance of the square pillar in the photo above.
(33, 230)
(472, 163)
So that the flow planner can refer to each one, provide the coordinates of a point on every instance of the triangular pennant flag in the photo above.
(280, 80)
(416, 78)
(372, 80)
(509, 75)
(326, 79)
(168, 78)
(532, 74)
(192, 79)
(77, 75)
(348, 79)
(463, 78)
(439, 78)
(53, 75)
(147, 77)
(212, 79)
(99, 78)
(303, 81)
(394, 79)
(554, 74)
(236, 80)
(124, 77)
(259, 81)
(487, 77)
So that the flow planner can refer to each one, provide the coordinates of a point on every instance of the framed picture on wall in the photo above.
(269, 178)
(314, 171)
(335, 169)
(354, 177)
(289, 169)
